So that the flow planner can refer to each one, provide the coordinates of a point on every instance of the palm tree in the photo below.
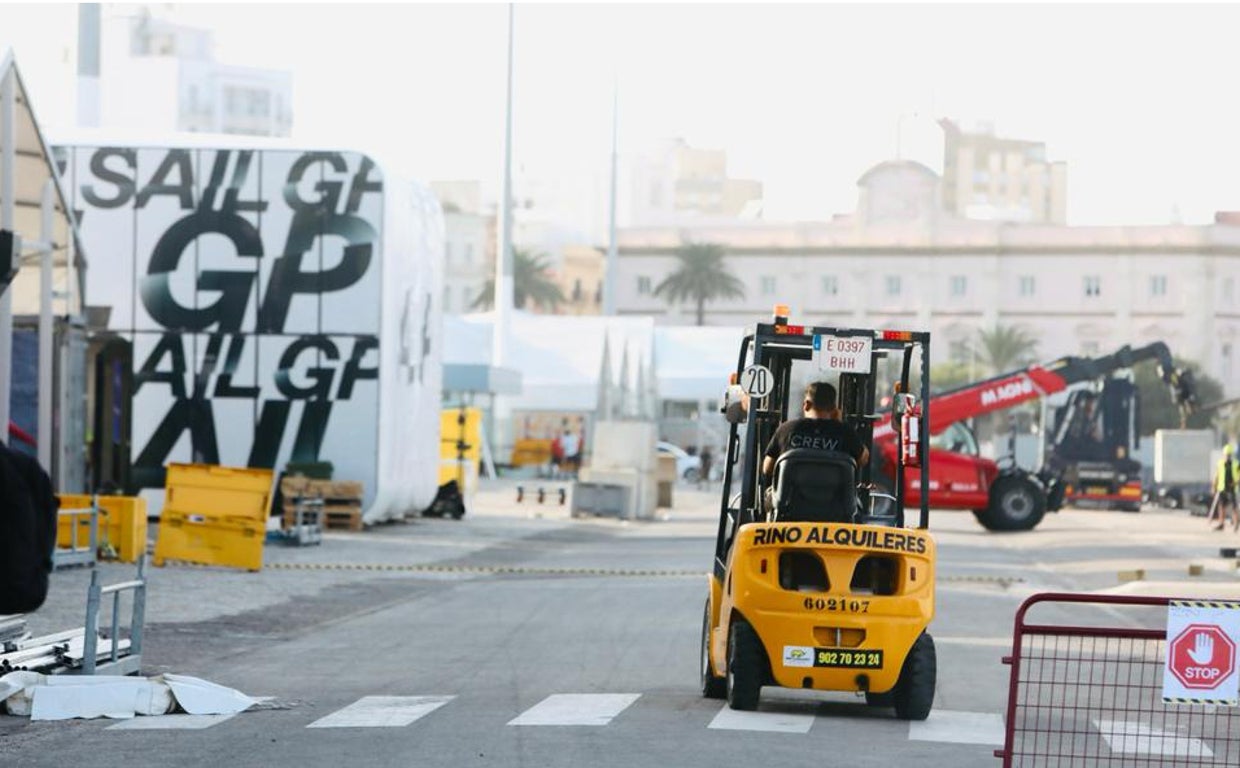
(701, 276)
(1005, 347)
(531, 283)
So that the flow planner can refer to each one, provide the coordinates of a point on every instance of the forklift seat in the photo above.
(814, 487)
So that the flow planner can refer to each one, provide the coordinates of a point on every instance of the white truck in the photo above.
(283, 305)
(1183, 459)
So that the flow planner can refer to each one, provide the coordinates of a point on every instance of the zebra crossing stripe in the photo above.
(179, 721)
(1136, 738)
(382, 712)
(170, 722)
(730, 719)
(576, 709)
(950, 727)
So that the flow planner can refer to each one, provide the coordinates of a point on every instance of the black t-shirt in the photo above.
(815, 434)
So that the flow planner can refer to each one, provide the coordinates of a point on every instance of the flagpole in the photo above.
(609, 267)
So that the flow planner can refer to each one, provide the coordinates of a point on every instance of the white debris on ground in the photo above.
(54, 697)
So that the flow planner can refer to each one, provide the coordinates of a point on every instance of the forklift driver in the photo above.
(819, 428)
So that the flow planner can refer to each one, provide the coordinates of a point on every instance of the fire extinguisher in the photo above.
(910, 434)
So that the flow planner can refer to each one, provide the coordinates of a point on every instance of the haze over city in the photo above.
(803, 98)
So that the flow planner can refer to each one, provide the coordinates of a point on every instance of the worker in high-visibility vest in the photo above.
(1226, 476)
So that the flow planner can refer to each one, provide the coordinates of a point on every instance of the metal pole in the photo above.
(609, 268)
(45, 328)
(8, 155)
(503, 265)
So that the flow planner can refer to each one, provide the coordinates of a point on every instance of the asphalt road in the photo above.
(554, 642)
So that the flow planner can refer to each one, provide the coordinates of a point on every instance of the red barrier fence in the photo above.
(1087, 691)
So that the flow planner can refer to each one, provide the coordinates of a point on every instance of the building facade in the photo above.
(989, 177)
(160, 76)
(675, 180)
(902, 261)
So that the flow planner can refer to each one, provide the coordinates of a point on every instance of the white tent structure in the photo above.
(559, 357)
(693, 362)
(33, 208)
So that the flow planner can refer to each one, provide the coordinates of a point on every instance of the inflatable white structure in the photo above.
(283, 305)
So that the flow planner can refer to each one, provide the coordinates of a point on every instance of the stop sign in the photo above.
(1202, 656)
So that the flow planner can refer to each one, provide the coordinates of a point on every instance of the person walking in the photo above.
(1226, 475)
(704, 470)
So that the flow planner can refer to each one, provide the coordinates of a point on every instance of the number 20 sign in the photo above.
(757, 381)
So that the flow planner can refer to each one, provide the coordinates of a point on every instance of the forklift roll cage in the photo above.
(776, 346)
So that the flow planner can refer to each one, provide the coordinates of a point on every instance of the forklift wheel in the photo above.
(885, 699)
(913, 695)
(712, 687)
(745, 663)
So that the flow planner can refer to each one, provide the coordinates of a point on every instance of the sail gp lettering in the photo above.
(1012, 390)
(221, 301)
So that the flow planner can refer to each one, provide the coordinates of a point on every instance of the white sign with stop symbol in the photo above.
(1201, 662)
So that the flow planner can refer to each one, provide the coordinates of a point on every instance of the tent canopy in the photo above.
(560, 357)
(34, 168)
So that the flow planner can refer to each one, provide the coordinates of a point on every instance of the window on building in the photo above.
(1229, 290)
(1227, 365)
(767, 283)
(643, 285)
(468, 297)
(1158, 285)
(469, 253)
(1093, 285)
(893, 285)
(447, 298)
(1027, 285)
(830, 285)
(1090, 348)
(577, 289)
(447, 253)
(959, 285)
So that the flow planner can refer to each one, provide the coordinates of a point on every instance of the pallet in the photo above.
(335, 517)
(343, 518)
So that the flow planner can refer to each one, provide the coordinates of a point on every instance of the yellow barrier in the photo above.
(450, 432)
(122, 524)
(214, 515)
(526, 452)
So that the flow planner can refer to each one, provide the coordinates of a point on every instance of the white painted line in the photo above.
(382, 712)
(177, 721)
(576, 709)
(958, 728)
(170, 722)
(730, 719)
(1136, 738)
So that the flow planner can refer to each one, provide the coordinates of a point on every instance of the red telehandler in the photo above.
(1003, 496)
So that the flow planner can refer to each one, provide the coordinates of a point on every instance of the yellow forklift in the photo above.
(817, 581)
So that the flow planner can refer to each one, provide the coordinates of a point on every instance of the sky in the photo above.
(1138, 100)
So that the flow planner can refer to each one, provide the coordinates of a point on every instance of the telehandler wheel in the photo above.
(913, 695)
(746, 662)
(1016, 504)
(712, 687)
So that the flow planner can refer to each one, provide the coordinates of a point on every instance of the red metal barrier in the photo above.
(1088, 691)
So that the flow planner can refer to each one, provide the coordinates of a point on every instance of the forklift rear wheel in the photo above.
(712, 687)
(1016, 504)
(913, 695)
(745, 663)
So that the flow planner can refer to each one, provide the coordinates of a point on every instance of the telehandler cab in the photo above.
(812, 587)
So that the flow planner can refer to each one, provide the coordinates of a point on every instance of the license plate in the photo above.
(840, 659)
(1097, 490)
